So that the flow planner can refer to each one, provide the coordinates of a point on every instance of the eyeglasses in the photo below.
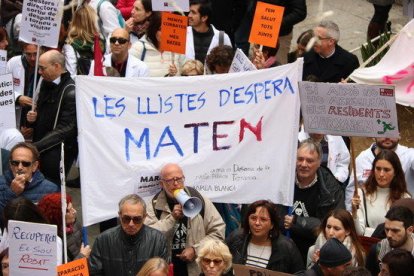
(255, 218)
(43, 68)
(207, 261)
(322, 38)
(120, 40)
(16, 163)
(29, 55)
(179, 180)
(135, 220)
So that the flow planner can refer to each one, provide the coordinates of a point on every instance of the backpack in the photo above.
(83, 62)
(189, 190)
(121, 20)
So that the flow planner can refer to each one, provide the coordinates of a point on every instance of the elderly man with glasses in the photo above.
(125, 64)
(184, 234)
(328, 61)
(24, 178)
(124, 249)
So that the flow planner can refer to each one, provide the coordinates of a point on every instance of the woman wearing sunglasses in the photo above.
(51, 207)
(260, 244)
(214, 259)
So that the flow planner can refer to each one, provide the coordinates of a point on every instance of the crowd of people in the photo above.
(336, 226)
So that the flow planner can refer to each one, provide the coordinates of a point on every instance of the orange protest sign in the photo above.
(75, 268)
(173, 32)
(266, 24)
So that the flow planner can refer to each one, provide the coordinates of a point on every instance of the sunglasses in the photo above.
(135, 220)
(207, 261)
(120, 40)
(16, 163)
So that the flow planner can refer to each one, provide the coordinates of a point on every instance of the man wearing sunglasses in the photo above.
(24, 178)
(123, 250)
(184, 234)
(126, 65)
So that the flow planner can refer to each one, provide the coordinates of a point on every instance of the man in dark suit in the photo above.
(328, 61)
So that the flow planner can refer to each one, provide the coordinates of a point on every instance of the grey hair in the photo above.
(57, 57)
(332, 29)
(132, 199)
(312, 146)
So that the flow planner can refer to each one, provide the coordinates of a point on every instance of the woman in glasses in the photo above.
(51, 207)
(147, 49)
(259, 243)
(214, 259)
(384, 186)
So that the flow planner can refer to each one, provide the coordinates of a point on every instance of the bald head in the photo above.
(119, 32)
(120, 45)
(172, 178)
(51, 65)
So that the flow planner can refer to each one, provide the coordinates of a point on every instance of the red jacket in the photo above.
(125, 6)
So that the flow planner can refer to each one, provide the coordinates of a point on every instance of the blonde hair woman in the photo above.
(214, 258)
(154, 267)
(78, 49)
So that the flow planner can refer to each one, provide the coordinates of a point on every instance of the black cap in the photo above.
(334, 253)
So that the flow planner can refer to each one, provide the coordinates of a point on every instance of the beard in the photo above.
(390, 145)
(397, 244)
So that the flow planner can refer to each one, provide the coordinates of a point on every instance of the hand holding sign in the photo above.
(266, 24)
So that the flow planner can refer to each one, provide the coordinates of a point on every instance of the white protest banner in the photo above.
(349, 109)
(395, 68)
(241, 63)
(235, 135)
(3, 62)
(32, 249)
(7, 109)
(171, 5)
(41, 22)
(246, 270)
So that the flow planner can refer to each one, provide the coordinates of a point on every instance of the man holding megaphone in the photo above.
(185, 217)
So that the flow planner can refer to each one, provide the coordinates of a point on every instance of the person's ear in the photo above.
(35, 166)
(204, 18)
(410, 229)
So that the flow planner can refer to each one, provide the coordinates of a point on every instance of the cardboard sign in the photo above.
(241, 63)
(222, 129)
(7, 109)
(76, 268)
(171, 5)
(266, 24)
(349, 109)
(41, 21)
(32, 249)
(3, 62)
(245, 270)
(173, 32)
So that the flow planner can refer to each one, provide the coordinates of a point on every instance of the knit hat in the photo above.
(334, 253)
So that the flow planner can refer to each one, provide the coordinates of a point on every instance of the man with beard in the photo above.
(399, 227)
(184, 234)
(366, 157)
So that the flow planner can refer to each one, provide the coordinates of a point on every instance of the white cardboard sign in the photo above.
(32, 249)
(3, 62)
(241, 63)
(171, 5)
(349, 109)
(7, 109)
(41, 21)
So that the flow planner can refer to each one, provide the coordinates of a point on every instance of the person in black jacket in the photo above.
(260, 243)
(124, 249)
(328, 61)
(317, 192)
(295, 12)
(54, 119)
